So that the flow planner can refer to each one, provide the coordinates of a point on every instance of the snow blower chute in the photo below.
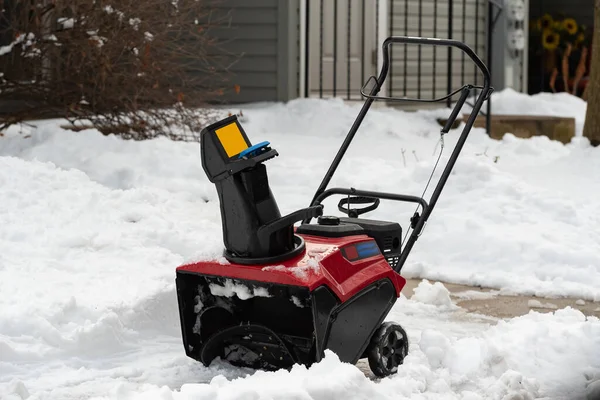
(287, 293)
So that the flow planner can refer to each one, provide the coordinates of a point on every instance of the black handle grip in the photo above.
(354, 213)
(387, 43)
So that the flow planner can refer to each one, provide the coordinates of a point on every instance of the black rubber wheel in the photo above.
(387, 349)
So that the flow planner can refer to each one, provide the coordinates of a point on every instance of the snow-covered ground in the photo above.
(92, 228)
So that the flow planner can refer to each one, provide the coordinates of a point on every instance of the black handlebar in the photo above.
(387, 43)
(435, 42)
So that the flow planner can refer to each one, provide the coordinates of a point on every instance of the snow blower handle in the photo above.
(385, 67)
(418, 223)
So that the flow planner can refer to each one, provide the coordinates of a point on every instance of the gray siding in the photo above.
(264, 33)
(468, 25)
(288, 45)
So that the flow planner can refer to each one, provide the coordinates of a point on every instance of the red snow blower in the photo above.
(285, 294)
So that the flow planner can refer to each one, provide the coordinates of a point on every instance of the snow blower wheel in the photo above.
(284, 293)
(387, 349)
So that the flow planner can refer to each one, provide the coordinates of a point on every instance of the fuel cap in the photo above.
(328, 220)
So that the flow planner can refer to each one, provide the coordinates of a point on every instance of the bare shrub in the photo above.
(133, 68)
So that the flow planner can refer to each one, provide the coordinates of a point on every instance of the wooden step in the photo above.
(526, 126)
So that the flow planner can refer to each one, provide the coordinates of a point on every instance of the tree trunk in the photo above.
(591, 129)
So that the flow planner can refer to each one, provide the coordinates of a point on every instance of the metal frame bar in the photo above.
(475, 75)
(335, 32)
(303, 39)
(490, 30)
(348, 43)
(434, 63)
(362, 43)
(306, 47)
(450, 31)
(464, 39)
(525, 53)
(491, 23)
(391, 28)
(320, 48)
(420, 33)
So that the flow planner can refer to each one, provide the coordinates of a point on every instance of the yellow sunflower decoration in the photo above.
(545, 22)
(569, 25)
(550, 39)
(562, 42)
(559, 33)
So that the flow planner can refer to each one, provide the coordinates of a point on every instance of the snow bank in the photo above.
(435, 294)
(534, 356)
(509, 101)
(74, 254)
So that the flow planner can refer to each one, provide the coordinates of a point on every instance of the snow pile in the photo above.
(535, 356)
(469, 360)
(508, 101)
(330, 379)
(435, 294)
(525, 347)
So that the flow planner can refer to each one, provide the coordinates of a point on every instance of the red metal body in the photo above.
(322, 263)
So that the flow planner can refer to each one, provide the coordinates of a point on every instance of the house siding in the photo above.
(263, 32)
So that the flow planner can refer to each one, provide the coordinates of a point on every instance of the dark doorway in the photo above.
(554, 24)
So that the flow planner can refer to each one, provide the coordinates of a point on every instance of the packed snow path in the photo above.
(91, 229)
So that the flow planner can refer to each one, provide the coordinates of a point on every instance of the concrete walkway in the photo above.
(489, 305)
(492, 303)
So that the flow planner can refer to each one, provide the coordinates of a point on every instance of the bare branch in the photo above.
(137, 69)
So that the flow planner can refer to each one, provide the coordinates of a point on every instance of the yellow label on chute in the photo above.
(231, 139)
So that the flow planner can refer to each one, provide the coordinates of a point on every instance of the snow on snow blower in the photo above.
(287, 293)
